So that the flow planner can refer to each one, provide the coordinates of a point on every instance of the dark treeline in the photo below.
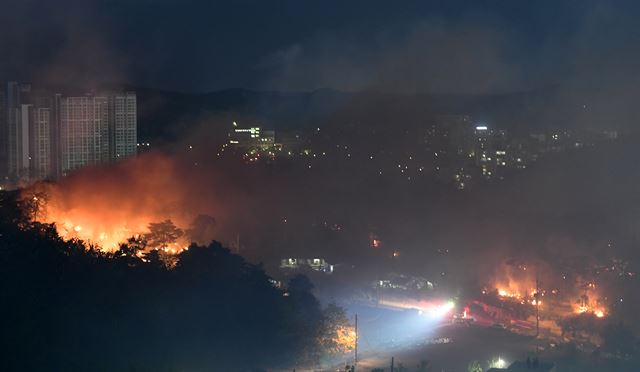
(69, 308)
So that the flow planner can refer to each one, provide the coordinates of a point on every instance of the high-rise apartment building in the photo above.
(97, 129)
(4, 172)
(123, 125)
(45, 136)
(16, 95)
(84, 131)
(40, 145)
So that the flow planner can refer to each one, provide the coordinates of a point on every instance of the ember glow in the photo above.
(516, 283)
(344, 339)
(588, 304)
(513, 283)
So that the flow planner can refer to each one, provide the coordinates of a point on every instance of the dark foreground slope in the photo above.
(65, 308)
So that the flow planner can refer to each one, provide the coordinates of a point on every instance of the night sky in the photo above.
(424, 46)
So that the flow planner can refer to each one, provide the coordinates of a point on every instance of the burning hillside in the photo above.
(105, 206)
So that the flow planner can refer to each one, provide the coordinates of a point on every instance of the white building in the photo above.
(16, 132)
(97, 129)
(251, 137)
(45, 135)
(123, 118)
(40, 148)
(316, 264)
(84, 131)
(28, 130)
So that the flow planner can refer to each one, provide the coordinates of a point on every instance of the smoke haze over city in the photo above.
(320, 185)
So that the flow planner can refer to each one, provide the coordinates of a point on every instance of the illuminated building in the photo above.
(315, 264)
(268, 138)
(490, 149)
(482, 150)
(251, 138)
(403, 282)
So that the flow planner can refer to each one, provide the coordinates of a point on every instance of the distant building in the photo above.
(37, 150)
(403, 282)
(26, 134)
(45, 136)
(16, 131)
(84, 131)
(123, 125)
(315, 264)
(251, 137)
(3, 139)
(450, 134)
(491, 149)
(97, 129)
(290, 141)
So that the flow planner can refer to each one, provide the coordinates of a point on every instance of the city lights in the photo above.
(341, 186)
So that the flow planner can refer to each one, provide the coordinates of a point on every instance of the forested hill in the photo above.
(67, 307)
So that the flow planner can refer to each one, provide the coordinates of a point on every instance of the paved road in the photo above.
(411, 337)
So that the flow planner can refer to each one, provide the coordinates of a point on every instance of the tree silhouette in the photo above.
(300, 283)
(131, 250)
(338, 335)
(162, 234)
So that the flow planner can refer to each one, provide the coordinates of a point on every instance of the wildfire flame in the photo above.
(599, 312)
(107, 206)
(515, 283)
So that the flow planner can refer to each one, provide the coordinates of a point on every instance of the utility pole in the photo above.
(537, 313)
(356, 343)
(537, 298)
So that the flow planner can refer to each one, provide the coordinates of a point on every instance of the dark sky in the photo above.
(470, 46)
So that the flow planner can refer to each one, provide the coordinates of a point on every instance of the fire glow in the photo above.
(530, 298)
(581, 305)
(105, 207)
(514, 283)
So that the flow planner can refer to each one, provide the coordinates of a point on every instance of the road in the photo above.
(411, 337)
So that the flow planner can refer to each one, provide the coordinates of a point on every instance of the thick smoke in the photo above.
(105, 205)
(429, 56)
(576, 208)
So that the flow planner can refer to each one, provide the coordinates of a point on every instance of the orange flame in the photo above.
(105, 206)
